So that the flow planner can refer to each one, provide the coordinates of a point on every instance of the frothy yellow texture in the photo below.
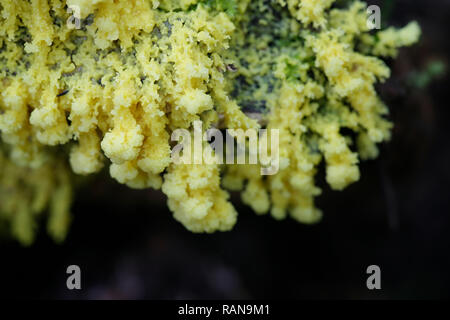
(112, 92)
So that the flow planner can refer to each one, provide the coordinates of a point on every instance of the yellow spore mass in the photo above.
(111, 90)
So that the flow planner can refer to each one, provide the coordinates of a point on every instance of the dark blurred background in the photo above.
(398, 217)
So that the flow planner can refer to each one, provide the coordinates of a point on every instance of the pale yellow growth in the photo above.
(391, 39)
(196, 198)
(308, 11)
(25, 193)
(112, 93)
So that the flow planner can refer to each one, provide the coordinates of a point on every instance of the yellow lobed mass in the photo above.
(111, 93)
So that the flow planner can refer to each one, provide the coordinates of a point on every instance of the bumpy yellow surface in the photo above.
(111, 93)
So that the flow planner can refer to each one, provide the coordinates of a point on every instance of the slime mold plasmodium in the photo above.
(110, 93)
